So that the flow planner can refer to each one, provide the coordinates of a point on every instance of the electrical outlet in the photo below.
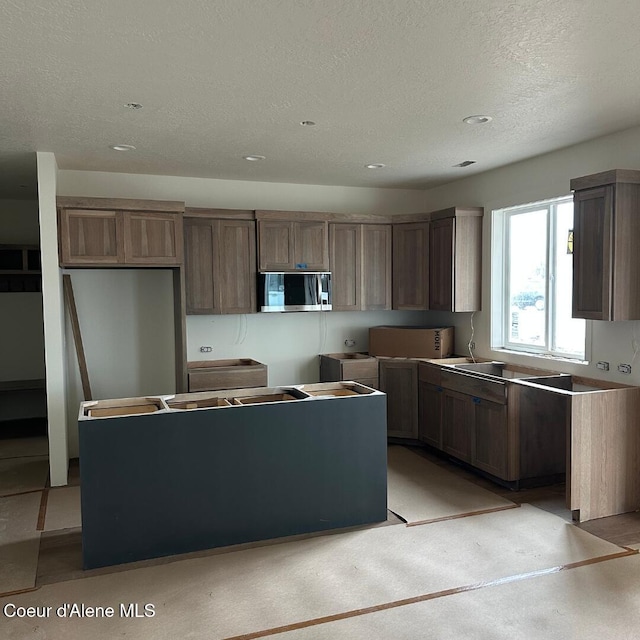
(624, 368)
(206, 349)
(604, 366)
(349, 343)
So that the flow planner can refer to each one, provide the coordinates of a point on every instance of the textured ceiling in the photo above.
(386, 81)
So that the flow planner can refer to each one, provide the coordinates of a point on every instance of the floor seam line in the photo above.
(430, 596)
(463, 515)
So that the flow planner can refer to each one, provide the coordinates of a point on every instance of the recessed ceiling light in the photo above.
(465, 163)
(123, 147)
(254, 158)
(477, 119)
(375, 166)
(308, 123)
(133, 105)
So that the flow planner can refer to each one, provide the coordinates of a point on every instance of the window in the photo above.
(534, 265)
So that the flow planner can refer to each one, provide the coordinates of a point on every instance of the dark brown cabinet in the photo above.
(103, 238)
(220, 265)
(457, 425)
(490, 450)
(430, 414)
(293, 245)
(606, 232)
(411, 266)
(360, 261)
(399, 380)
(455, 254)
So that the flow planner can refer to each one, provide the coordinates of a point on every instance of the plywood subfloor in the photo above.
(244, 591)
(19, 541)
(419, 490)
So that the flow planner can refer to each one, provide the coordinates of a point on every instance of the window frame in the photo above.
(501, 316)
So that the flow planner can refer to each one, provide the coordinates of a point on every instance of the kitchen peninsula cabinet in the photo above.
(606, 233)
(411, 266)
(220, 262)
(360, 261)
(399, 380)
(455, 254)
(288, 241)
(102, 232)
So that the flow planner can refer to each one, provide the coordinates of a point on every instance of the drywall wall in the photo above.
(126, 323)
(289, 343)
(21, 330)
(539, 178)
(53, 314)
(240, 194)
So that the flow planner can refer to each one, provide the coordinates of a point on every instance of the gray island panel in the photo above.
(179, 481)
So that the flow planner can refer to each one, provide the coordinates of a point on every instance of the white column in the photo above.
(53, 311)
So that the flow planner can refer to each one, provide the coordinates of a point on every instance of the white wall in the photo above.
(53, 313)
(539, 178)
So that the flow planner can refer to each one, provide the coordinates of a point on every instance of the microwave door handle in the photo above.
(319, 285)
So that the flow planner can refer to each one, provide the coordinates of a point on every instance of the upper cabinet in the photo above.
(455, 259)
(411, 266)
(220, 261)
(437, 260)
(606, 232)
(97, 232)
(360, 261)
(289, 244)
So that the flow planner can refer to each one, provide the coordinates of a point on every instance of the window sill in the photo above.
(541, 356)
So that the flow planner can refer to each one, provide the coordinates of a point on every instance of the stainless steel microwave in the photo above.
(304, 291)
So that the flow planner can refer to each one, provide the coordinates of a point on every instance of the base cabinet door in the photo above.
(491, 451)
(430, 414)
(399, 380)
(458, 425)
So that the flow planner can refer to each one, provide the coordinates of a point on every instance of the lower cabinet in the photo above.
(430, 399)
(399, 380)
(464, 425)
(491, 451)
(457, 425)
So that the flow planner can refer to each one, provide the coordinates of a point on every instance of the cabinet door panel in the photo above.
(400, 382)
(441, 265)
(152, 238)
(491, 438)
(457, 425)
(345, 242)
(311, 242)
(411, 266)
(376, 267)
(593, 210)
(90, 237)
(200, 265)
(430, 414)
(275, 239)
(236, 278)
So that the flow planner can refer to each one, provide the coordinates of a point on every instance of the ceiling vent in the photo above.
(466, 163)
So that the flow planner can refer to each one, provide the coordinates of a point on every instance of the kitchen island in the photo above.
(172, 474)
